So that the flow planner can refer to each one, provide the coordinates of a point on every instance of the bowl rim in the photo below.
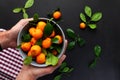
(34, 63)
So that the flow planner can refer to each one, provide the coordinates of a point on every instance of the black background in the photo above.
(106, 34)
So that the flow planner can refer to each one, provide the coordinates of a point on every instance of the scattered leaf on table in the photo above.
(29, 3)
(81, 41)
(82, 17)
(96, 16)
(71, 45)
(17, 10)
(92, 26)
(71, 33)
(97, 50)
(58, 77)
(88, 11)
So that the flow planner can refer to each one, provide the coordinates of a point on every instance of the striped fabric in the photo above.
(10, 64)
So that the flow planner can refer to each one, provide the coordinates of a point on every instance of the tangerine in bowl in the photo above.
(41, 42)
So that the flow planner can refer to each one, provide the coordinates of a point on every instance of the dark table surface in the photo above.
(106, 34)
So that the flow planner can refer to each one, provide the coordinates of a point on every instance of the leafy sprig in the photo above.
(90, 18)
(27, 5)
(63, 70)
(75, 39)
(97, 52)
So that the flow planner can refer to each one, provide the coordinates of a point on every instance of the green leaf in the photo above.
(65, 69)
(92, 26)
(64, 64)
(44, 51)
(25, 15)
(58, 77)
(93, 63)
(28, 60)
(58, 49)
(48, 29)
(70, 70)
(17, 10)
(51, 59)
(82, 17)
(97, 50)
(96, 16)
(29, 3)
(71, 45)
(26, 38)
(36, 17)
(55, 40)
(71, 33)
(81, 41)
(39, 42)
(88, 11)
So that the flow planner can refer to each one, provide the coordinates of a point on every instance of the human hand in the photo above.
(10, 36)
(32, 73)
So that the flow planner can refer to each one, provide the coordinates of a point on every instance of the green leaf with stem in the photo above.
(82, 17)
(71, 33)
(25, 15)
(92, 26)
(93, 63)
(29, 3)
(71, 45)
(28, 60)
(96, 16)
(88, 11)
(97, 50)
(17, 10)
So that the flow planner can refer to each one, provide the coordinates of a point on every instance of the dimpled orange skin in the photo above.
(26, 46)
(31, 30)
(46, 43)
(37, 34)
(57, 14)
(59, 39)
(35, 50)
(41, 25)
(41, 58)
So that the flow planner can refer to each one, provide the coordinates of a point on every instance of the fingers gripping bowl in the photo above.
(43, 41)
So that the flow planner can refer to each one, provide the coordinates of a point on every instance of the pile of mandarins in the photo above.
(36, 51)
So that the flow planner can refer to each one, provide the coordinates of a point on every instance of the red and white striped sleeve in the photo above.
(11, 63)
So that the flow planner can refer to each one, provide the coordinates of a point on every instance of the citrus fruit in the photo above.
(33, 41)
(26, 46)
(57, 14)
(52, 34)
(82, 25)
(46, 43)
(35, 50)
(59, 37)
(41, 58)
(41, 25)
(37, 33)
